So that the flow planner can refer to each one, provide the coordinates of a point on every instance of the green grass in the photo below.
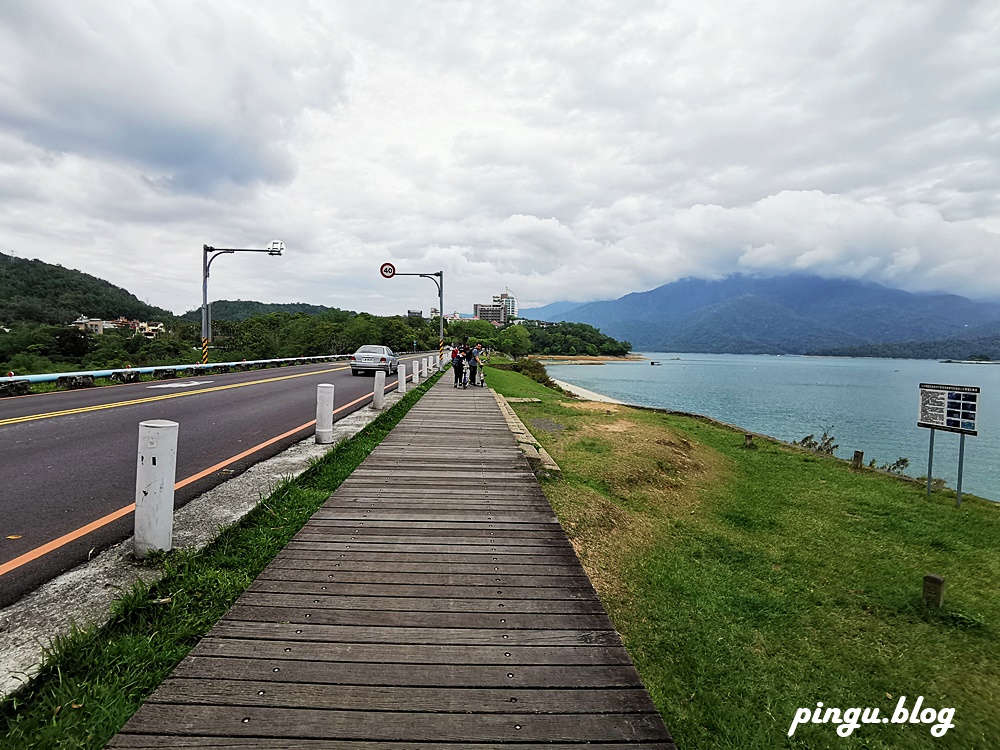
(94, 680)
(749, 583)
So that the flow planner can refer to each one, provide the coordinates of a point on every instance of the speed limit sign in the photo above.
(388, 270)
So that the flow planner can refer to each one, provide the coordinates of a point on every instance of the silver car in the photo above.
(372, 358)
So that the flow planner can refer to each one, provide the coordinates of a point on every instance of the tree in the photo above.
(515, 341)
(464, 330)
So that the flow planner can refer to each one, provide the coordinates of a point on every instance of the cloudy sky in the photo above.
(569, 150)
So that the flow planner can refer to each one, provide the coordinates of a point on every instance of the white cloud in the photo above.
(567, 150)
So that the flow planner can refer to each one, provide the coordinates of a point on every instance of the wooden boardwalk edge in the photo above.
(433, 601)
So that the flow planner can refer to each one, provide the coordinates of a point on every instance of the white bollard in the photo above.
(416, 372)
(423, 368)
(401, 377)
(156, 467)
(324, 413)
(378, 400)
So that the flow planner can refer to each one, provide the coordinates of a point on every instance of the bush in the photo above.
(824, 445)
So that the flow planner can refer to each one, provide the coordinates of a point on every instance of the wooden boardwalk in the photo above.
(433, 601)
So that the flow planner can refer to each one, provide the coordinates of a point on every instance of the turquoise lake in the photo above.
(870, 404)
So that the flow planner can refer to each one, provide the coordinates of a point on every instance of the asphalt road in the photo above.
(68, 459)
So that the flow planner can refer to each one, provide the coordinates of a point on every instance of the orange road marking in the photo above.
(34, 554)
(72, 536)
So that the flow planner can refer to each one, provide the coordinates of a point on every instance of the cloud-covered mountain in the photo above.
(781, 315)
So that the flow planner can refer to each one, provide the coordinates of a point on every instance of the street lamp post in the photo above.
(274, 247)
(388, 271)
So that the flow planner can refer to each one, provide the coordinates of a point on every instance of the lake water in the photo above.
(870, 404)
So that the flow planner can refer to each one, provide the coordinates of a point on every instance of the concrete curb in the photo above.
(82, 597)
(538, 457)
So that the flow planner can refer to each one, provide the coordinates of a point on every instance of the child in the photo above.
(458, 364)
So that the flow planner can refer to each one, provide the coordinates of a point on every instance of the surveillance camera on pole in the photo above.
(274, 247)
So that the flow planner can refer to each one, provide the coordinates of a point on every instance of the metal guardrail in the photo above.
(53, 377)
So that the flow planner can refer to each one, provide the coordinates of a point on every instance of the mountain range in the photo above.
(795, 314)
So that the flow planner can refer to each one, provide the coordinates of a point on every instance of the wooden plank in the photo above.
(429, 604)
(440, 481)
(267, 607)
(369, 577)
(408, 675)
(450, 475)
(429, 510)
(482, 531)
(394, 653)
(263, 722)
(309, 559)
(487, 550)
(270, 630)
(549, 531)
(354, 697)
(443, 500)
(415, 515)
(487, 539)
(392, 559)
(494, 592)
(474, 526)
(161, 742)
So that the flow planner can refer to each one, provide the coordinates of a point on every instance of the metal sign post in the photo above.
(274, 247)
(952, 408)
(388, 271)
(930, 463)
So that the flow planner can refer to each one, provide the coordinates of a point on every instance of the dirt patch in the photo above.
(591, 406)
(621, 425)
(627, 479)
(547, 425)
(638, 463)
(603, 535)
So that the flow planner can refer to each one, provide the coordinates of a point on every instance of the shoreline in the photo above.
(600, 397)
(588, 395)
(585, 359)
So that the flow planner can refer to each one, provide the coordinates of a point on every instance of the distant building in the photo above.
(509, 301)
(503, 310)
(90, 325)
(97, 326)
(415, 313)
(491, 313)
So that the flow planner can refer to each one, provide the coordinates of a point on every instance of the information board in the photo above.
(949, 407)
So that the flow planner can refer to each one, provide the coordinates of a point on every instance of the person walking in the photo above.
(474, 363)
(483, 356)
(458, 365)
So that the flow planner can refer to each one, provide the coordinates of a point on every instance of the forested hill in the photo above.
(32, 291)
(236, 310)
(980, 343)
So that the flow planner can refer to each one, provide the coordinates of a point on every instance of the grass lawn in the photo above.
(750, 583)
(95, 680)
